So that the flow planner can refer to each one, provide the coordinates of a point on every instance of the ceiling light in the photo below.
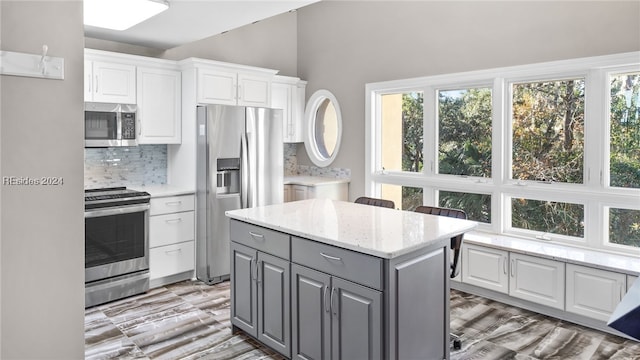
(121, 14)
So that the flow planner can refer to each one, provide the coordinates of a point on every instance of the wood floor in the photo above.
(190, 320)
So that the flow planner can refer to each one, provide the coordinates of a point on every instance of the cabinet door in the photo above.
(281, 98)
(217, 87)
(159, 106)
(299, 192)
(297, 112)
(356, 324)
(485, 267)
(630, 280)
(114, 83)
(274, 326)
(593, 292)
(311, 314)
(287, 193)
(538, 280)
(254, 90)
(244, 296)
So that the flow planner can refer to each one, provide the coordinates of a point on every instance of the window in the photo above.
(477, 206)
(402, 131)
(624, 112)
(404, 197)
(548, 131)
(464, 132)
(546, 151)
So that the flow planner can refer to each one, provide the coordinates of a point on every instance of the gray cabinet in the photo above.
(312, 300)
(334, 318)
(311, 313)
(260, 293)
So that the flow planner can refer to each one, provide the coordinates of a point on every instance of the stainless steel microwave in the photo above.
(107, 125)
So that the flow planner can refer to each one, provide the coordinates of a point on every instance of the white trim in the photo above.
(593, 194)
(310, 144)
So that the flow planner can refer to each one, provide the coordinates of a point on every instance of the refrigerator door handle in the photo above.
(244, 172)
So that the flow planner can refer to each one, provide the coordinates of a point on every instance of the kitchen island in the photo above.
(321, 279)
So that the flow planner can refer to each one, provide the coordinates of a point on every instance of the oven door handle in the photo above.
(116, 210)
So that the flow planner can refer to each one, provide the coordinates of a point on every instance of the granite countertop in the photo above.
(377, 231)
(157, 191)
(313, 180)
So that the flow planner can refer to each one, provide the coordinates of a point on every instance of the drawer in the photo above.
(171, 259)
(171, 204)
(259, 238)
(171, 228)
(350, 265)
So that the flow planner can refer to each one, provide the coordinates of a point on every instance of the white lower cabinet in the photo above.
(593, 292)
(525, 277)
(329, 190)
(485, 267)
(537, 280)
(171, 259)
(630, 281)
(171, 239)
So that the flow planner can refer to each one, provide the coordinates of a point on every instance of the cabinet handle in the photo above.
(513, 268)
(327, 302)
(504, 266)
(259, 265)
(255, 266)
(333, 308)
(173, 221)
(335, 258)
(96, 84)
(256, 236)
(621, 291)
(89, 78)
(169, 252)
(173, 203)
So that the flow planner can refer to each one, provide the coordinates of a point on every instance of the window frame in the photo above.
(594, 193)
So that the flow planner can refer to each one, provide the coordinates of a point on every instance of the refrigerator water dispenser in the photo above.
(228, 176)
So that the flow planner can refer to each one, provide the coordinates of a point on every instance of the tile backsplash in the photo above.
(147, 165)
(125, 166)
(291, 166)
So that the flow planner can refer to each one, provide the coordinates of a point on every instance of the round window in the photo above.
(324, 127)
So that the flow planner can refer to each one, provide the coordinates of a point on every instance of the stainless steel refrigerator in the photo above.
(239, 165)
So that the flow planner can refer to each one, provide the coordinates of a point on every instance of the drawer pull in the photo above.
(256, 236)
(173, 203)
(173, 221)
(335, 258)
(171, 252)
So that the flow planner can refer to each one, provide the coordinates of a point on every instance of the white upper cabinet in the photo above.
(159, 102)
(229, 87)
(109, 82)
(288, 94)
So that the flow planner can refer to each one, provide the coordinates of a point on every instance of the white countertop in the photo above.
(382, 232)
(313, 180)
(569, 254)
(165, 190)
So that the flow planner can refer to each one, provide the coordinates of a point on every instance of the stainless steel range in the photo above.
(116, 223)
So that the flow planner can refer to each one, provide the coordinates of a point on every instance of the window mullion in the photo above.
(499, 162)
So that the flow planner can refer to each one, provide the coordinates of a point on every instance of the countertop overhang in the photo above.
(377, 231)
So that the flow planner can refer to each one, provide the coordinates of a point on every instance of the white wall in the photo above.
(342, 45)
(269, 43)
(42, 227)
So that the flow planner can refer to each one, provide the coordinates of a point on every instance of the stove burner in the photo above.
(115, 196)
